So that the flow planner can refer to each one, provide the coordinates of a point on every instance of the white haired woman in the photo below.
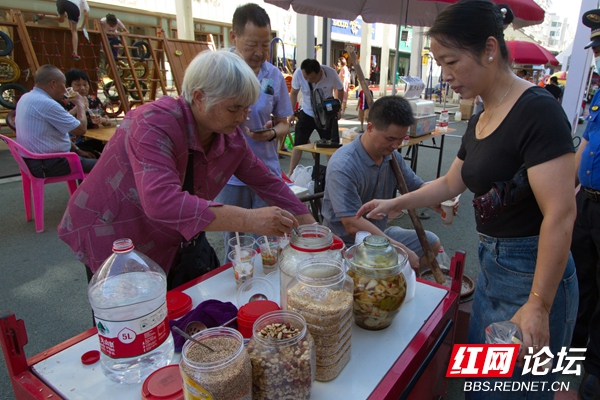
(137, 191)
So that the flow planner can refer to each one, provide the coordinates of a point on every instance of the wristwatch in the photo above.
(274, 135)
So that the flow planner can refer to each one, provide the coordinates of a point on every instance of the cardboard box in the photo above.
(466, 108)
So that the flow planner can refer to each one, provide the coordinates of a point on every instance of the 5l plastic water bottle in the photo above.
(128, 296)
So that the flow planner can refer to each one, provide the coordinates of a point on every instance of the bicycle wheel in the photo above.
(7, 46)
(134, 93)
(110, 91)
(10, 93)
(9, 71)
(141, 69)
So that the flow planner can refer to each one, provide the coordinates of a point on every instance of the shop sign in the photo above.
(350, 28)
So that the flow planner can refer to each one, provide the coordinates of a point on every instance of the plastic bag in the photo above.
(504, 332)
(350, 134)
(302, 175)
(289, 144)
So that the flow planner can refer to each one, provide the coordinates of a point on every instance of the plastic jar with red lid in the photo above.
(250, 312)
(313, 241)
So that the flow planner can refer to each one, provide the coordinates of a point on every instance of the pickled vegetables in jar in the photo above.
(375, 267)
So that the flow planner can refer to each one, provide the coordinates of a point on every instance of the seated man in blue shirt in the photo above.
(43, 125)
(361, 171)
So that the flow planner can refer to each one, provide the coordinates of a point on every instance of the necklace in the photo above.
(497, 105)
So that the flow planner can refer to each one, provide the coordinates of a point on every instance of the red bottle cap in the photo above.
(164, 384)
(178, 304)
(90, 357)
(250, 312)
(254, 309)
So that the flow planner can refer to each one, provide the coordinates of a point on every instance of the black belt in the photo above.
(592, 194)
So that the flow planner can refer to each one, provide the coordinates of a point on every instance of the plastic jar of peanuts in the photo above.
(225, 373)
(283, 357)
(322, 293)
(375, 266)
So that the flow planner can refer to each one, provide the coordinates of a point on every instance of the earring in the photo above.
(490, 59)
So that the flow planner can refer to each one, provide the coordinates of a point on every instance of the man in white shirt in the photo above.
(311, 73)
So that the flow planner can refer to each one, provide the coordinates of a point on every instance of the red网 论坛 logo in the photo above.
(498, 361)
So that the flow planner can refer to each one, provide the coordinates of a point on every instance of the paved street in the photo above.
(43, 284)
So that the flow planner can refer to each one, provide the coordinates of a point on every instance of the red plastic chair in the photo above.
(31, 183)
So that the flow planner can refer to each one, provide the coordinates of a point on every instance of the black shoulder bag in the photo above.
(197, 256)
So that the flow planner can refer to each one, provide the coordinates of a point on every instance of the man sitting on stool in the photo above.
(361, 171)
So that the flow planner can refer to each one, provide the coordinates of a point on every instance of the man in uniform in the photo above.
(585, 245)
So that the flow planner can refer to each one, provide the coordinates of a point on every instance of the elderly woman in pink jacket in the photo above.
(136, 188)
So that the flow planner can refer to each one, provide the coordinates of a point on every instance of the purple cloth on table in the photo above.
(210, 312)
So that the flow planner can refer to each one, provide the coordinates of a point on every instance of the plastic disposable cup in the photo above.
(448, 212)
(94, 115)
(411, 282)
(243, 265)
(70, 92)
(269, 252)
(360, 236)
(246, 241)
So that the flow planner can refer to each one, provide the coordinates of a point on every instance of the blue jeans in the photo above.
(503, 286)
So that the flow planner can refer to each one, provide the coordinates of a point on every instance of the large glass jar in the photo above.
(322, 293)
(375, 266)
(224, 374)
(376, 251)
(283, 357)
(313, 241)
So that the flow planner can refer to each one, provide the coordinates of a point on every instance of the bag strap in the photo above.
(188, 180)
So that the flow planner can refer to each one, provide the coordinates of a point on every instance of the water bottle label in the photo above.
(193, 391)
(124, 339)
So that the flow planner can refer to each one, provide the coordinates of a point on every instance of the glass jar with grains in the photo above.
(322, 293)
(375, 266)
(313, 241)
(283, 357)
(225, 373)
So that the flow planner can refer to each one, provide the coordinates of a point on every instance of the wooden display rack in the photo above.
(36, 45)
(158, 50)
(180, 54)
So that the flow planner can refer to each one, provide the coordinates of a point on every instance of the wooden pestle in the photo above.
(431, 257)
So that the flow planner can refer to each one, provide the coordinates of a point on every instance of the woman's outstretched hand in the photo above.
(379, 209)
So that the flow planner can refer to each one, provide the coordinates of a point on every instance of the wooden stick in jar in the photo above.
(435, 268)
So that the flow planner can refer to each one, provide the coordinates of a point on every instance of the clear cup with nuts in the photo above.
(283, 357)
(225, 373)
